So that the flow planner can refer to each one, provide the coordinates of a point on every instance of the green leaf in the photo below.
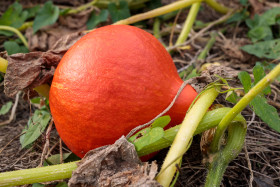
(35, 100)
(119, 12)
(245, 79)
(260, 25)
(243, 2)
(192, 74)
(259, 73)
(260, 33)
(47, 15)
(161, 122)
(232, 97)
(13, 47)
(154, 135)
(14, 16)
(32, 11)
(269, 67)
(6, 108)
(239, 16)
(267, 49)
(266, 112)
(139, 134)
(62, 184)
(36, 126)
(95, 19)
(55, 159)
(38, 185)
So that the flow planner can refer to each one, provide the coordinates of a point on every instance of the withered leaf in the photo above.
(114, 165)
(26, 71)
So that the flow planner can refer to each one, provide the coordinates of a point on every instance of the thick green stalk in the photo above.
(157, 12)
(43, 174)
(210, 120)
(14, 30)
(244, 101)
(188, 23)
(218, 7)
(185, 134)
(235, 141)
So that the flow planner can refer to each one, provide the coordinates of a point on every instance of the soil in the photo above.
(258, 163)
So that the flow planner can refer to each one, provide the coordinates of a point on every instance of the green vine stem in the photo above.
(157, 12)
(220, 160)
(218, 7)
(244, 101)
(14, 30)
(83, 7)
(188, 23)
(210, 120)
(185, 134)
(208, 46)
(35, 175)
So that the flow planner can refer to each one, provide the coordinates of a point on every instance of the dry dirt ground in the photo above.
(257, 164)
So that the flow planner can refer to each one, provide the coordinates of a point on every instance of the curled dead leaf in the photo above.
(26, 71)
(114, 165)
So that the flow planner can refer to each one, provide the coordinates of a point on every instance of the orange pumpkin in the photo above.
(113, 79)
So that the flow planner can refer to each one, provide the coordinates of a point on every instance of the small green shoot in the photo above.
(35, 127)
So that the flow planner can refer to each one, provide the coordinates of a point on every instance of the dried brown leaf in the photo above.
(26, 71)
(114, 165)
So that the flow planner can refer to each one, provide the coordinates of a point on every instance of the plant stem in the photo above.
(157, 12)
(184, 135)
(83, 7)
(188, 23)
(14, 30)
(3, 65)
(208, 46)
(235, 141)
(42, 174)
(210, 120)
(218, 7)
(26, 25)
(156, 28)
(244, 101)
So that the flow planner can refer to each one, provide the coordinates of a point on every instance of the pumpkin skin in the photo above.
(113, 79)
